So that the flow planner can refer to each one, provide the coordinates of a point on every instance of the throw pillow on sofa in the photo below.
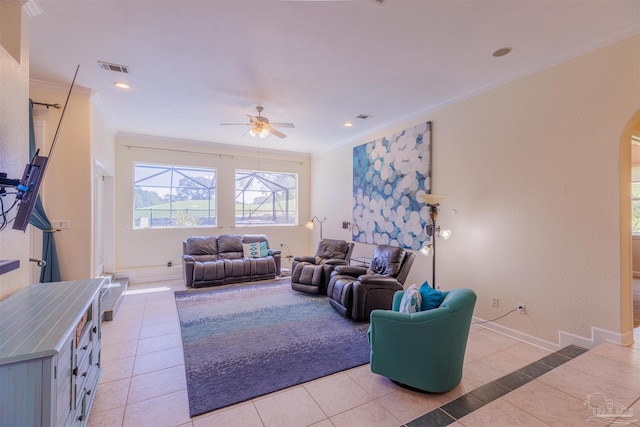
(411, 301)
(431, 298)
(264, 251)
(251, 250)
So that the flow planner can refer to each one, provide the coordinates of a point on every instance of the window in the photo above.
(174, 196)
(266, 198)
(635, 199)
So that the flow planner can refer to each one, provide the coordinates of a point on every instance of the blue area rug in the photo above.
(247, 340)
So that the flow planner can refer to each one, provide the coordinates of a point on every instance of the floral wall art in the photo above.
(388, 175)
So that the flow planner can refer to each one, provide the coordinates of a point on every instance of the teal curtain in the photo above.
(51, 271)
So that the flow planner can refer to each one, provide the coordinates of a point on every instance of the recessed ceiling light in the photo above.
(502, 52)
(348, 124)
(122, 85)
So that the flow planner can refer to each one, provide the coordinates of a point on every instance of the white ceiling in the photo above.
(318, 64)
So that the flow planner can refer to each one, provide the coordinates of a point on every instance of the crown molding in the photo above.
(32, 7)
(59, 87)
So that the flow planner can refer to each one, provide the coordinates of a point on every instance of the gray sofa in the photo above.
(211, 261)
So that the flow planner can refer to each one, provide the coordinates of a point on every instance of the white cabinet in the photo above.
(50, 354)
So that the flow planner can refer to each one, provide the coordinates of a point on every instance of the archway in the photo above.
(626, 265)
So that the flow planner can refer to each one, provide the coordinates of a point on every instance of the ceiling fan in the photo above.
(261, 127)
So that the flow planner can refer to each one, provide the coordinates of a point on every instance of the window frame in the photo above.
(287, 213)
(212, 205)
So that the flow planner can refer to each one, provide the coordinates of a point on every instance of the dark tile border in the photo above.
(514, 380)
(435, 418)
(477, 398)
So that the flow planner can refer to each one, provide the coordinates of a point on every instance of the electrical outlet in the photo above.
(60, 224)
(494, 302)
(522, 309)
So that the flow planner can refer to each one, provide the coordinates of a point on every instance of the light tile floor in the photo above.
(143, 382)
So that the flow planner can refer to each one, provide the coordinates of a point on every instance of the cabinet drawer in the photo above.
(81, 371)
(82, 410)
(95, 353)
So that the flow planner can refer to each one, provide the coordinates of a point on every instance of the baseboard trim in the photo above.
(520, 336)
(598, 336)
(151, 274)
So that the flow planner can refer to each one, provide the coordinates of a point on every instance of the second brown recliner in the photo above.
(356, 291)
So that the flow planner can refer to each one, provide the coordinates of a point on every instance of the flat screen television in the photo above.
(27, 188)
(27, 191)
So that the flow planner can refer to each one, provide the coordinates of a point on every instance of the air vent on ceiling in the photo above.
(114, 67)
(363, 116)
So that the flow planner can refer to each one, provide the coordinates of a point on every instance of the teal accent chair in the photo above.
(424, 350)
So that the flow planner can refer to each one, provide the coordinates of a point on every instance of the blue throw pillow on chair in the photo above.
(431, 298)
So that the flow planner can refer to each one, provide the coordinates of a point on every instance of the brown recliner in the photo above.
(356, 291)
(311, 274)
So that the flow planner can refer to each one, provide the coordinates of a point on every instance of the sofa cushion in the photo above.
(262, 267)
(230, 246)
(202, 245)
(205, 258)
(237, 269)
(431, 298)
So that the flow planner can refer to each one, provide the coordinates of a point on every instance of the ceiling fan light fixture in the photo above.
(259, 131)
(261, 127)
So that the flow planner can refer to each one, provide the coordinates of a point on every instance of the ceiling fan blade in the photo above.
(283, 125)
(277, 133)
(236, 124)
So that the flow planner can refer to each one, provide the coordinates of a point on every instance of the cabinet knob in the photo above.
(84, 374)
(75, 371)
(85, 347)
(95, 329)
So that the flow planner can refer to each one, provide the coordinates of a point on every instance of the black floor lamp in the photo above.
(433, 230)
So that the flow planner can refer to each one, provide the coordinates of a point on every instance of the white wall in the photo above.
(85, 140)
(141, 253)
(14, 138)
(532, 169)
(67, 186)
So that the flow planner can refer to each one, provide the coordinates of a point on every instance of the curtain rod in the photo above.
(56, 106)
(228, 156)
